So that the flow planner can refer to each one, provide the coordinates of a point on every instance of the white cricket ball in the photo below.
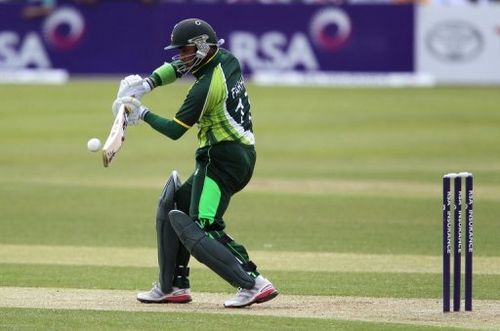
(94, 144)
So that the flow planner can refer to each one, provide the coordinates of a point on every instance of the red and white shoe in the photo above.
(178, 295)
(262, 291)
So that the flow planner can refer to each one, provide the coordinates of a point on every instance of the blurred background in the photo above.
(359, 109)
(292, 42)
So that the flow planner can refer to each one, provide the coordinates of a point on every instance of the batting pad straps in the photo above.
(181, 272)
(249, 266)
(224, 239)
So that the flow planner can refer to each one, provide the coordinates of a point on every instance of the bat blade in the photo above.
(116, 136)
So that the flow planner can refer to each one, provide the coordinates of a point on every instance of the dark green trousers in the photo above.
(221, 171)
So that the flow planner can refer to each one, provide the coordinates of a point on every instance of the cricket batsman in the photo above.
(189, 219)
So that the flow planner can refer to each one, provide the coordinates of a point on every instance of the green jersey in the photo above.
(218, 103)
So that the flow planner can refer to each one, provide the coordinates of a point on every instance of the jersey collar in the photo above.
(211, 63)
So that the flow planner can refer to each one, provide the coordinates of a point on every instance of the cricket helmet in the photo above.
(190, 32)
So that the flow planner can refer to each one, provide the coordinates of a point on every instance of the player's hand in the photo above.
(133, 86)
(136, 109)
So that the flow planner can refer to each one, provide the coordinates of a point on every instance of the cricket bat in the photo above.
(116, 136)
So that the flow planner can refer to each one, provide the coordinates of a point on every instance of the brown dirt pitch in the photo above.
(486, 314)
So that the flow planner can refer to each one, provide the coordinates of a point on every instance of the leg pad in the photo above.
(167, 241)
(209, 251)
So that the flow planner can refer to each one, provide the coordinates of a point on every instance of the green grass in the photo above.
(334, 222)
(54, 192)
(25, 319)
(365, 284)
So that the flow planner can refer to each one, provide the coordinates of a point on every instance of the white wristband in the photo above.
(146, 86)
(143, 112)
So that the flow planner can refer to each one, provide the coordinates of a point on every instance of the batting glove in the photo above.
(136, 110)
(133, 86)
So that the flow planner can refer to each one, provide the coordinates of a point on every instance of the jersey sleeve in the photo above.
(165, 74)
(169, 128)
(192, 108)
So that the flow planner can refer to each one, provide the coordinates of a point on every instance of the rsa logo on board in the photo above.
(329, 30)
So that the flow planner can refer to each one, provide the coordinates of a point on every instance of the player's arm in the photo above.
(163, 75)
(174, 129)
(185, 118)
